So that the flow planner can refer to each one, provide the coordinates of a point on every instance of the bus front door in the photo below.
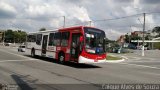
(44, 44)
(75, 46)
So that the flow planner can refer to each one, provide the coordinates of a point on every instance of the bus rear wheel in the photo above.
(33, 53)
(61, 58)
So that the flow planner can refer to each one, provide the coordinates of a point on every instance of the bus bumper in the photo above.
(86, 60)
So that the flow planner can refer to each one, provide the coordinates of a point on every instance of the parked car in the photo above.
(131, 46)
(121, 50)
(140, 48)
(7, 44)
(21, 48)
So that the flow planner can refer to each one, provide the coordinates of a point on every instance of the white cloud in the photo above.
(33, 14)
(54, 12)
(113, 34)
(80, 13)
(136, 29)
(129, 10)
(7, 7)
(6, 10)
(136, 3)
(44, 10)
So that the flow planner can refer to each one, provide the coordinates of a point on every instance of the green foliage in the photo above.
(136, 37)
(147, 37)
(9, 36)
(107, 41)
(15, 36)
(157, 30)
(157, 45)
(109, 57)
(128, 38)
(42, 29)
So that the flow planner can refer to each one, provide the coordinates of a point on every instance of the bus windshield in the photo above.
(95, 40)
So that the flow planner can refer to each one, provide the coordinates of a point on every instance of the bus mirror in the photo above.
(81, 39)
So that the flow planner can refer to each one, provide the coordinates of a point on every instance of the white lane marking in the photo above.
(137, 58)
(124, 57)
(151, 73)
(145, 66)
(16, 54)
(154, 61)
(114, 61)
(17, 60)
(133, 57)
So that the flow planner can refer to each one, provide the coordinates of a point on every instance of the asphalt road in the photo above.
(46, 74)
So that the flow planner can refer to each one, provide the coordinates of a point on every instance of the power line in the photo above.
(152, 12)
(118, 17)
(87, 22)
(107, 19)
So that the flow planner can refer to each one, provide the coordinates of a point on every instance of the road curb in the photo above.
(117, 61)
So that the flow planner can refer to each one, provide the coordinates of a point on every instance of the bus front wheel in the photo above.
(61, 58)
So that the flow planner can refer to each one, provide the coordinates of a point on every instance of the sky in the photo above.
(115, 17)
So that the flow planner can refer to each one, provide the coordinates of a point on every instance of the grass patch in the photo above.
(113, 58)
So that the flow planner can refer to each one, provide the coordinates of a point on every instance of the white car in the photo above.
(21, 48)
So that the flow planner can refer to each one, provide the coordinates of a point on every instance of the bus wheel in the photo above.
(33, 53)
(61, 58)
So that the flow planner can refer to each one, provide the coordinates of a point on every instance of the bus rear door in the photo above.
(44, 45)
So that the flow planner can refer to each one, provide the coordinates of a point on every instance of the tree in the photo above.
(42, 29)
(107, 41)
(156, 30)
(9, 36)
(20, 36)
(157, 45)
(127, 38)
(15, 36)
(23, 36)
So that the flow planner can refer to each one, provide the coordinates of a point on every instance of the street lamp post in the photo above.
(143, 34)
(90, 23)
(144, 15)
(130, 35)
(64, 21)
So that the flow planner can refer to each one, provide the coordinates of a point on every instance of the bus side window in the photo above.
(57, 38)
(31, 38)
(65, 38)
(39, 38)
(51, 39)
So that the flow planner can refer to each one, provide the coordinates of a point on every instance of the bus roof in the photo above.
(43, 31)
(74, 27)
(61, 29)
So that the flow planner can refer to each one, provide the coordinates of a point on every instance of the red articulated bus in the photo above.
(79, 44)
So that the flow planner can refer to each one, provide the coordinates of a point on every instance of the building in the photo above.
(121, 40)
(139, 33)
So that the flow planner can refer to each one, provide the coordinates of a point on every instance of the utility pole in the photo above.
(64, 22)
(130, 35)
(143, 34)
